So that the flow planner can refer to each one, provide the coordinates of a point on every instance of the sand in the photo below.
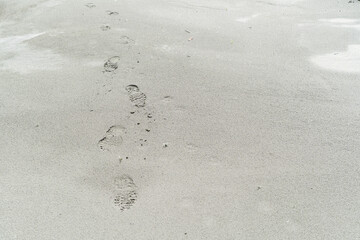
(219, 119)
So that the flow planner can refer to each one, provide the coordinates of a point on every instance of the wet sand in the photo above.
(179, 119)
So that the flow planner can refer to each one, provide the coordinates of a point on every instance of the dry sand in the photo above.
(247, 124)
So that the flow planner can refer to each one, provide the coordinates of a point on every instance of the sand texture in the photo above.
(164, 119)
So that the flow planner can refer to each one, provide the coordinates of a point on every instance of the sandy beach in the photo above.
(163, 119)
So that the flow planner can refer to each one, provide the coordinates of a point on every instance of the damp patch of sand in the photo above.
(347, 61)
(18, 55)
(341, 61)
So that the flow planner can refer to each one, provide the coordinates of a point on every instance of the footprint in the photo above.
(112, 13)
(112, 139)
(105, 27)
(111, 64)
(137, 97)
(90, 5)
(126, 40)
(125, 194)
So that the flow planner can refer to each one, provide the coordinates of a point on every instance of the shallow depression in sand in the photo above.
(112, 139)
(111, 64)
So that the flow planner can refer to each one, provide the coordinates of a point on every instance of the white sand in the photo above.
(253, 132)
